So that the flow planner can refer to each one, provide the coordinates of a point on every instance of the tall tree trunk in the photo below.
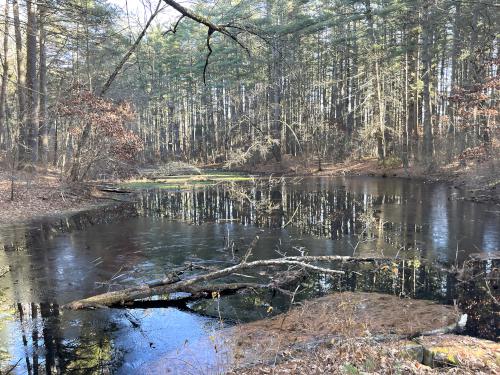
(276, 103)
(275, 90)
(405, 125)
(375, 63)
(454, 80)
(3, 88)
(476, 69)
(32, 80)
(426, 93)
(412, 74)
(43, 141)
(21, 90)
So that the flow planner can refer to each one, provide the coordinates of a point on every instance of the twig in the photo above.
(209, 35)
(13, 367)
(3, 272)
(174, 29)
(129, 53)
(295, 213)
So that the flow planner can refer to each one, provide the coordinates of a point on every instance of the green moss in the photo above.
(370, 365)
(186, 182)
(392, 161)
(451, 354)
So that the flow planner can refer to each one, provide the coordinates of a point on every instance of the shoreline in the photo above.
(479, 183)
(43, 196)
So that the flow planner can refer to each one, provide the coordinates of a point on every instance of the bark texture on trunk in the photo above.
(43, 141)
(32, 84)
(3, 88)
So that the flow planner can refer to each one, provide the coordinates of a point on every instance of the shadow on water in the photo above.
(55, 261)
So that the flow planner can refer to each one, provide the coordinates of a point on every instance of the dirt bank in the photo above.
(38, 194)
(356, 333)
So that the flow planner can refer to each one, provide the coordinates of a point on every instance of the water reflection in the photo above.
(46, 340)
(166, 228)
(381, 215)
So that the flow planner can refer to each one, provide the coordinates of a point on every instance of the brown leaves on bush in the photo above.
(107, 120)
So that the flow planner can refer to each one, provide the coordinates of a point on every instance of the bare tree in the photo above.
(32, 83)
(21, 92)
(3, 87)
(43, 141)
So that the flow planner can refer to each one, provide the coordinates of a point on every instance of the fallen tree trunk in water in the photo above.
(171, 285)
(197, 284)
(195, 293)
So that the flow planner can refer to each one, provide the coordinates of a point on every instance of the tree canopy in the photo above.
(247, 81)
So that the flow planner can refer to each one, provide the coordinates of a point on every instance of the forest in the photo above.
(407, 81)
(323, 171)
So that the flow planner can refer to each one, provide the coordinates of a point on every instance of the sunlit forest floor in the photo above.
(41, 194)
(394, 357)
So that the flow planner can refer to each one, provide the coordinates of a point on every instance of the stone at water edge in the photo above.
(443, 350)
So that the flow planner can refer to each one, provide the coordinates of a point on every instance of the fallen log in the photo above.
(128, 294)
(196, 293)
(113, 189)
(171, 286)
(172, 283)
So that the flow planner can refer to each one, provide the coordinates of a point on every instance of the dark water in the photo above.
(213, 225)
(377, 214)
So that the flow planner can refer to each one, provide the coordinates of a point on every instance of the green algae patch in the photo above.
(186, 181)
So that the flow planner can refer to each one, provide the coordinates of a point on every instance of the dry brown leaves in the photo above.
(38, 195)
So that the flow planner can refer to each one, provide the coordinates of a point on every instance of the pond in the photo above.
(430, 223)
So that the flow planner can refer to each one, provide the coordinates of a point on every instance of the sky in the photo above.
(141, 10)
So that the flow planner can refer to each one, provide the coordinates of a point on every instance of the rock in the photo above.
(454, 350)
(411, 350)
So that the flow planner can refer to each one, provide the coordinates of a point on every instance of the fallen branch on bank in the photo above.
(197, 285)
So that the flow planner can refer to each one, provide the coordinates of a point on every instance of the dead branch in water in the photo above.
(196, 293)
(196, 285)
(186, 286)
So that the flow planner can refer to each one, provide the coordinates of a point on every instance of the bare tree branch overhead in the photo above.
(131, 50)
(228, 30)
